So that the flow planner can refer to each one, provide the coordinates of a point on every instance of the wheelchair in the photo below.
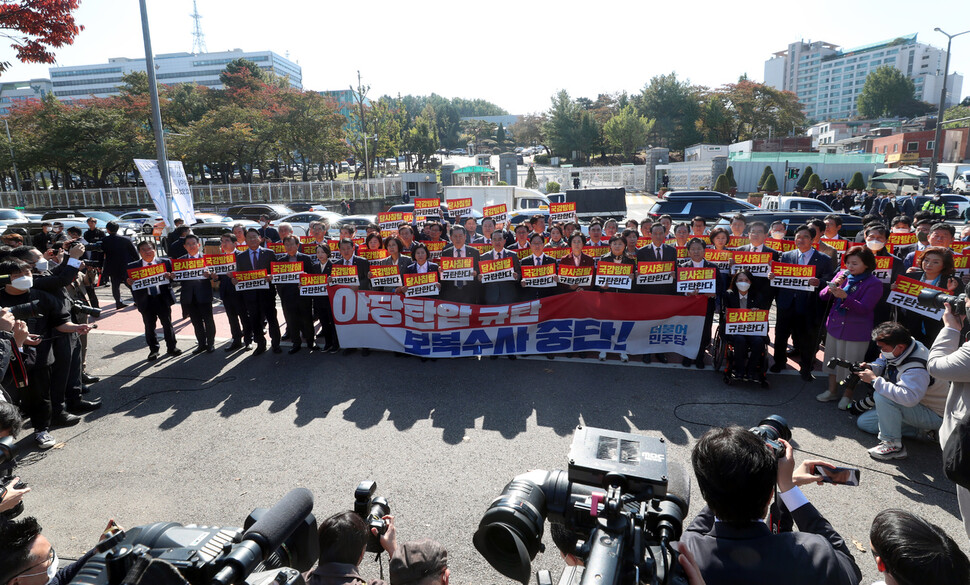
(723, 358)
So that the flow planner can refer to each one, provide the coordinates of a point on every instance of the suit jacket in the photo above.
(269, 234)
(471, 289)
(118, 253)
(802, 301)
(165, 294)
(291, 291)
(730, 555)
(501, 293)
(539, 293)
(195, 291)
(177, 248)
(668, 253)
(363, 266)
(732, 300)
(413, 268)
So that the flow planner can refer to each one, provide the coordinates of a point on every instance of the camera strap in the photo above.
(779, 518)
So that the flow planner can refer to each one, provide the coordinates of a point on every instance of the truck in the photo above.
(776, 203)
(521, 203)
(604, 203)
(959, 175)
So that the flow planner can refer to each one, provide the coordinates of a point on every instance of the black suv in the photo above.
(254, 210)
(686, 205)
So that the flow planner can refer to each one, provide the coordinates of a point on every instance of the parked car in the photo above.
(686, 205)
(851, 224)
(359, 222)
(253, 211)
(213, 230)
(9, 216)
(301, 221)
(776, 203)
(135, 219)
(298, 206)
(956, 205)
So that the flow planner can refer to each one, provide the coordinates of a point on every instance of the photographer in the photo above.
(421, 562)
(949, 360)
(907, 399)
(28, 558)
(908, 549)
(737, 472)
(343, 541)
(10, 423)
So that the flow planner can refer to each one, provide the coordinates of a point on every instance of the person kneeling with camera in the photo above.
(907, 399)
(343, 542)
(736, 472)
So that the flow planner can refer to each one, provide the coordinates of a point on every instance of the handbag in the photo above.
(956, 454)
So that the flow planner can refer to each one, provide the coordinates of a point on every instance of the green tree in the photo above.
(552, 187)
(422, 137)
(770, 185)
(722, 184)
(760, 110)
(886, 90)
(856, 182)
(814, 183)
(500, 134)
(561, 125)
(242, 74)
(528, 129)
(730, 175)
(717, 119)
(627, 131)
(804, 177)
(957, 112)
(589, 137)
(675, 107)
(764, 176)
(531, 181)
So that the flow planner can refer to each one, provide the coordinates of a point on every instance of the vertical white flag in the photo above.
(182, 205)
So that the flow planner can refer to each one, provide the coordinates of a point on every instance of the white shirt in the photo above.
(697, 264)
(421, 268)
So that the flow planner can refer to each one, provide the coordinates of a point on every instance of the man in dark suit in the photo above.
(176, 241)
(347, 257)
(760, 285)
(269, 234)
(505, 292)
(737, 474)
(233, 302)
(260, 303)
(155, 303)
(537, 258)
(657, 251)
(118, 253)
(297, 310)
(197, 302)
(461, 291)
(800, 312)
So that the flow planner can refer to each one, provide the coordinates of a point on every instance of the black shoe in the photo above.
(686, 362)
(349, 350)
(235, 345)
(174, 352)
(777, 367)
(83, 406)
(661, 358)
(248, 346)
(764, 382)
(550, 356)
(85, 389)
(794, 353)
(314, 348)
(88, 379)
(493, 357)
(334, 349)
(699, 364)
(64, 419)
(119, 305)
(646, 358)
(327, 348)
(293, 350)
(198, 350)
(365, 352)
(210, 349)
(277, 349)
(806, 375)
(153, 355)
(285, 337)
(512, 357)
(260, 349)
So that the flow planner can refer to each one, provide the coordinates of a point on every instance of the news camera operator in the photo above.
(950, 361)
(13, 369)
(10, 495)
(343, 542)
(737, 473)
(27, 557)
(907, 400)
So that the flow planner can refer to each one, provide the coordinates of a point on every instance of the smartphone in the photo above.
(839, 475)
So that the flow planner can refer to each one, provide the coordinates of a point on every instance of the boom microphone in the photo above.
(265, 536)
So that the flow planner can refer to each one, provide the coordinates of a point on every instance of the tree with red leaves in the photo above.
(36, 26)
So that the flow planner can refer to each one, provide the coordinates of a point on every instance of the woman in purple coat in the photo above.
(855, 292)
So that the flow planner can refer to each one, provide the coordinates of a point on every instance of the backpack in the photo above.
(956, 454)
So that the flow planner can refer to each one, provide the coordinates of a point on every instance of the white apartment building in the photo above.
(83, 81)
(12, 92)
(828, 80)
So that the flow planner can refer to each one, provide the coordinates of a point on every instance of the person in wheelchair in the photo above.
(749, 350)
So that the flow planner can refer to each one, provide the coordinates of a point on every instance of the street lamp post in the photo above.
(937, 151)
(13, 161)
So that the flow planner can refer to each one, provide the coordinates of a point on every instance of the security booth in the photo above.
(419, 185)
(474, 176)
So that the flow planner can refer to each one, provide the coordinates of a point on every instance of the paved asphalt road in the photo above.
(205, 439)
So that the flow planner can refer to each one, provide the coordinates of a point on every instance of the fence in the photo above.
(633, 177)
(208, 195)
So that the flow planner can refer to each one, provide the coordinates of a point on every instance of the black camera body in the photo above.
(771, 429)
(372, 510)
(934, 299)
(277, 546)
(619, 496)
(80, 308)
(850, 381)
(19, 508)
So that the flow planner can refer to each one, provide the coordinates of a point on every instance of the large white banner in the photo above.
(182, 205)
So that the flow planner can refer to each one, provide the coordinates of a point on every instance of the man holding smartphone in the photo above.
(908, 400)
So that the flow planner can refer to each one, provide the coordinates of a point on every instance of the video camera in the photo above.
(618, 494)
(83, 309)
(26, 311)
(934, 299)
(7, 452)
(770, 430)
(850, 381)
(372, 510)
(274, 546)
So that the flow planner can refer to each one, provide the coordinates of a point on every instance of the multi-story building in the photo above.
(12, 92)
(345, 99)
(83, 81)
(828, 80)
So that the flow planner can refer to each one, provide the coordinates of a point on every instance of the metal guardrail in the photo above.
(211, 194)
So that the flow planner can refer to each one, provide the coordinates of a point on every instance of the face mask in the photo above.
(41, 265)
(886, 355)
(875, 245)
(743, 286)
(23, 282)
(778, 235)
(900, 230)
(923, 237)
(57, 230)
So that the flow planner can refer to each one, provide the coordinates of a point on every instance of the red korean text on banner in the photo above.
(697, 280)
(539, 276)
(497, 270)
(611, 275)
(148, 276)
(904, 295)
(575, 275)
(562, 212)
(421, 285)
(251, 280)
(313, 285)
(383, 276)
(746, 322)
(189, 269)
(654, 273)
(220, 263)
(792, 276)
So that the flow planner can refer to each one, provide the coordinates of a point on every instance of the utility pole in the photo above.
(13, 161)
(937, 150)
(157, 117)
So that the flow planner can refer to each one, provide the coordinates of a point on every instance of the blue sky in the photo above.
(516, 54)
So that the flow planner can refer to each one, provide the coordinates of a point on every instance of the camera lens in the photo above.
(510, 532)
(775, 427)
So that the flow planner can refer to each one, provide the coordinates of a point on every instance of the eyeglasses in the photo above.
(50, 560)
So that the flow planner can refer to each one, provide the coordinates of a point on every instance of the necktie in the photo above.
(252, 258)
(744, 302)
(153, 290)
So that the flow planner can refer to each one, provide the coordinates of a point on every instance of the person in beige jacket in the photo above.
(950, 360)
